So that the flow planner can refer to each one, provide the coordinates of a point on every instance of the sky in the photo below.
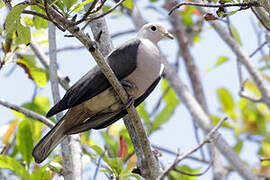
(178, 132)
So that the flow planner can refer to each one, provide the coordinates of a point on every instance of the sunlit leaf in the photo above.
(251, 86)
(80, 6)
(162, 117)
(216, 119)
(221, 60)
(112, 144)
(238, 146)
(40, 76)
(24, 33)
(227, 102)
(143, 113)
(28, 21)
(13, 15)
(24, 140)
(68, 4)
(173, 175)
(186, 15)
(12, 164)
(128, 4)
(41, 174)
(132, 162)
(38, 21)
(170, 96)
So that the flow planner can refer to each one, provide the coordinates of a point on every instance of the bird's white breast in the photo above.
(147, 70)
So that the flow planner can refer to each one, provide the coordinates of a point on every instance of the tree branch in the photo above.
(70, 148)
(28, 113)
(242, 5)
(152, 169)
(208, 138)
(63, 80)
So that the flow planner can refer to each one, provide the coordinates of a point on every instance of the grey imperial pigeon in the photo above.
(93, 104)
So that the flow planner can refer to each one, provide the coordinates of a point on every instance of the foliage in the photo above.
(249, 121)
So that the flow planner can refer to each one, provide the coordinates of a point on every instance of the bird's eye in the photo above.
(153, 28)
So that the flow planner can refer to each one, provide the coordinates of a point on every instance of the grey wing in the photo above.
(122, 60)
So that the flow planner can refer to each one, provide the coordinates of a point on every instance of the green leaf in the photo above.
(221, 60)
(115, 164)
(227, 102)
(14, 165)
(40, 174)
(170, 96)
(143, 113)
(128, 4)
(112, 144)
(80, 6)
(24, 33)
(238, 147)
(216, 119)
(25, 141)
(251, 86)
(43, 103)
(173, 175)
(163, 117)
(236, 35)
(68, 4)
(12, 17)
(186, 15)
(38, 21)
(40, 76)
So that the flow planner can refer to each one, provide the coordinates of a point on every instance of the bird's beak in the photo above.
(168, 35)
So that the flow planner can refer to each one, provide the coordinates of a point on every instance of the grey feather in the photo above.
(122, 61)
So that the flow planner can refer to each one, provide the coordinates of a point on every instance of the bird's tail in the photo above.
(46, 145)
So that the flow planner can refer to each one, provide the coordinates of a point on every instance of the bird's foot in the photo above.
(130, 102)
(127, 84)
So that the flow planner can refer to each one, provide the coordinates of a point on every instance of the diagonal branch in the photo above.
(212, 135)
(152, 169)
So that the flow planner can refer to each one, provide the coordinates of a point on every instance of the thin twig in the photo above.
(242, 95)
(123, 33)
(36, 14)
(258, 49)
(196, 174)
(245, 5)
(28, 113)
(88, 12)
(98, 165)
(104, 14)
(208, 138)
(264, 158)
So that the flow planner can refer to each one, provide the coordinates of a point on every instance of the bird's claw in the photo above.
(130, 102)
(127, 84)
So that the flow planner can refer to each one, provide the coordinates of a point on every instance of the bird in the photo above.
(92, 103)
